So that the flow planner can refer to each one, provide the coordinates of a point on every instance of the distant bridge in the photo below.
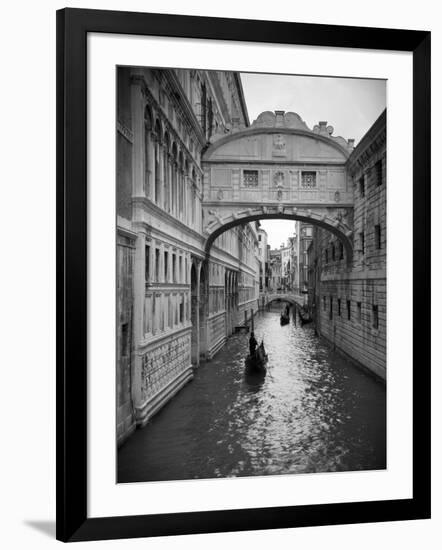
(266, 298)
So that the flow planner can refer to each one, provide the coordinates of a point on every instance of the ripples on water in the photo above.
(312, 412)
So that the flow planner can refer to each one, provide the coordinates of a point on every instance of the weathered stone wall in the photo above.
(347, 320)
(125, 420)
(350, 301)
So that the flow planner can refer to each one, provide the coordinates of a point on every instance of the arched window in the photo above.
(148, 151)
(166, 172)
(157, 162)
(180, 184)
(193, 195)
(174, 182)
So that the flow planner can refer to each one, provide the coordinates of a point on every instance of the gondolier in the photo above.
(252, 344)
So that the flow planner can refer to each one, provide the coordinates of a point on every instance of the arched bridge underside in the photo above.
(319, 217)
(279, 168)
(289, 298)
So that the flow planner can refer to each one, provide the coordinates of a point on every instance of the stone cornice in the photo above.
(371, 143)
(123, 231)
(278, 163)
(274, 204)
(145, 202)
(253, 131)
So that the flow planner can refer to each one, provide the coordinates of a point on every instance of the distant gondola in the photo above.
(305, 317)
(256, 363)
(285, 319)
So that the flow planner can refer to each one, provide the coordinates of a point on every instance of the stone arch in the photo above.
(158, 130)
(148, 117)
(220, 224)
(282, 298)
(166, 171)
(157, 159)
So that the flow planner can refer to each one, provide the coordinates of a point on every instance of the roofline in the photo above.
(242, 98)
(378, 126)
(251, 131)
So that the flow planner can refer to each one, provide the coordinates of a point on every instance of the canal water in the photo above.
(312, 412)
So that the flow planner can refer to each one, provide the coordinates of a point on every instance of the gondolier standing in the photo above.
(252, 344)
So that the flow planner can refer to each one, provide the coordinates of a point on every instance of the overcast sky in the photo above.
(350, 105)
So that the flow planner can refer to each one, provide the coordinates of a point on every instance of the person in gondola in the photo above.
(252, 344)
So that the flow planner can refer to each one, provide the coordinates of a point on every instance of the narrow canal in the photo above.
(313, 412)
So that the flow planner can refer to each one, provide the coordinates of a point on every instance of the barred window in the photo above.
(362, 242)
(362, 186)
(250, 178)
(341, 251)
(379, 173)
(308, 180)
(375, 311)
(377, 237)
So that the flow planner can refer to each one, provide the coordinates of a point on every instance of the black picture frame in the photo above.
(73, 25)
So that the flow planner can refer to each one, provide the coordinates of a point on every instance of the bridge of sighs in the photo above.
(278, 168)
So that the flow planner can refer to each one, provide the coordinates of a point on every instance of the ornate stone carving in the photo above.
(125, 131)
(278, 179)
(279, 146)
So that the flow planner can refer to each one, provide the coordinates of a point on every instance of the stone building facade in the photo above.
(349, 300)
(264, 268)
(173, 305)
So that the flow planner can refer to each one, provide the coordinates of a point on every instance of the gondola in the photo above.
(304, 317)
(285, 316)
(285, 319)
(256, 363)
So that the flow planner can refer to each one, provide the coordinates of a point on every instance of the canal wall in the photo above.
(347, 320)
(349, 299)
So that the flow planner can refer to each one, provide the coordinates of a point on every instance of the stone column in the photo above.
(162, 187)
(158, 184)
(150, 170)
(138, 168)
(186, 200)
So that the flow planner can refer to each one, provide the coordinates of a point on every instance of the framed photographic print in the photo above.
(243, 301)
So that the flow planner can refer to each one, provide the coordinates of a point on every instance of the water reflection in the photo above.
(311, 412)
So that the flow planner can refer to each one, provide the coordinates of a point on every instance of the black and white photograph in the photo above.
(251, 267)
(220, 285)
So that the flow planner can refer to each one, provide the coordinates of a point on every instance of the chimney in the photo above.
(279, 118)
(351, 142)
